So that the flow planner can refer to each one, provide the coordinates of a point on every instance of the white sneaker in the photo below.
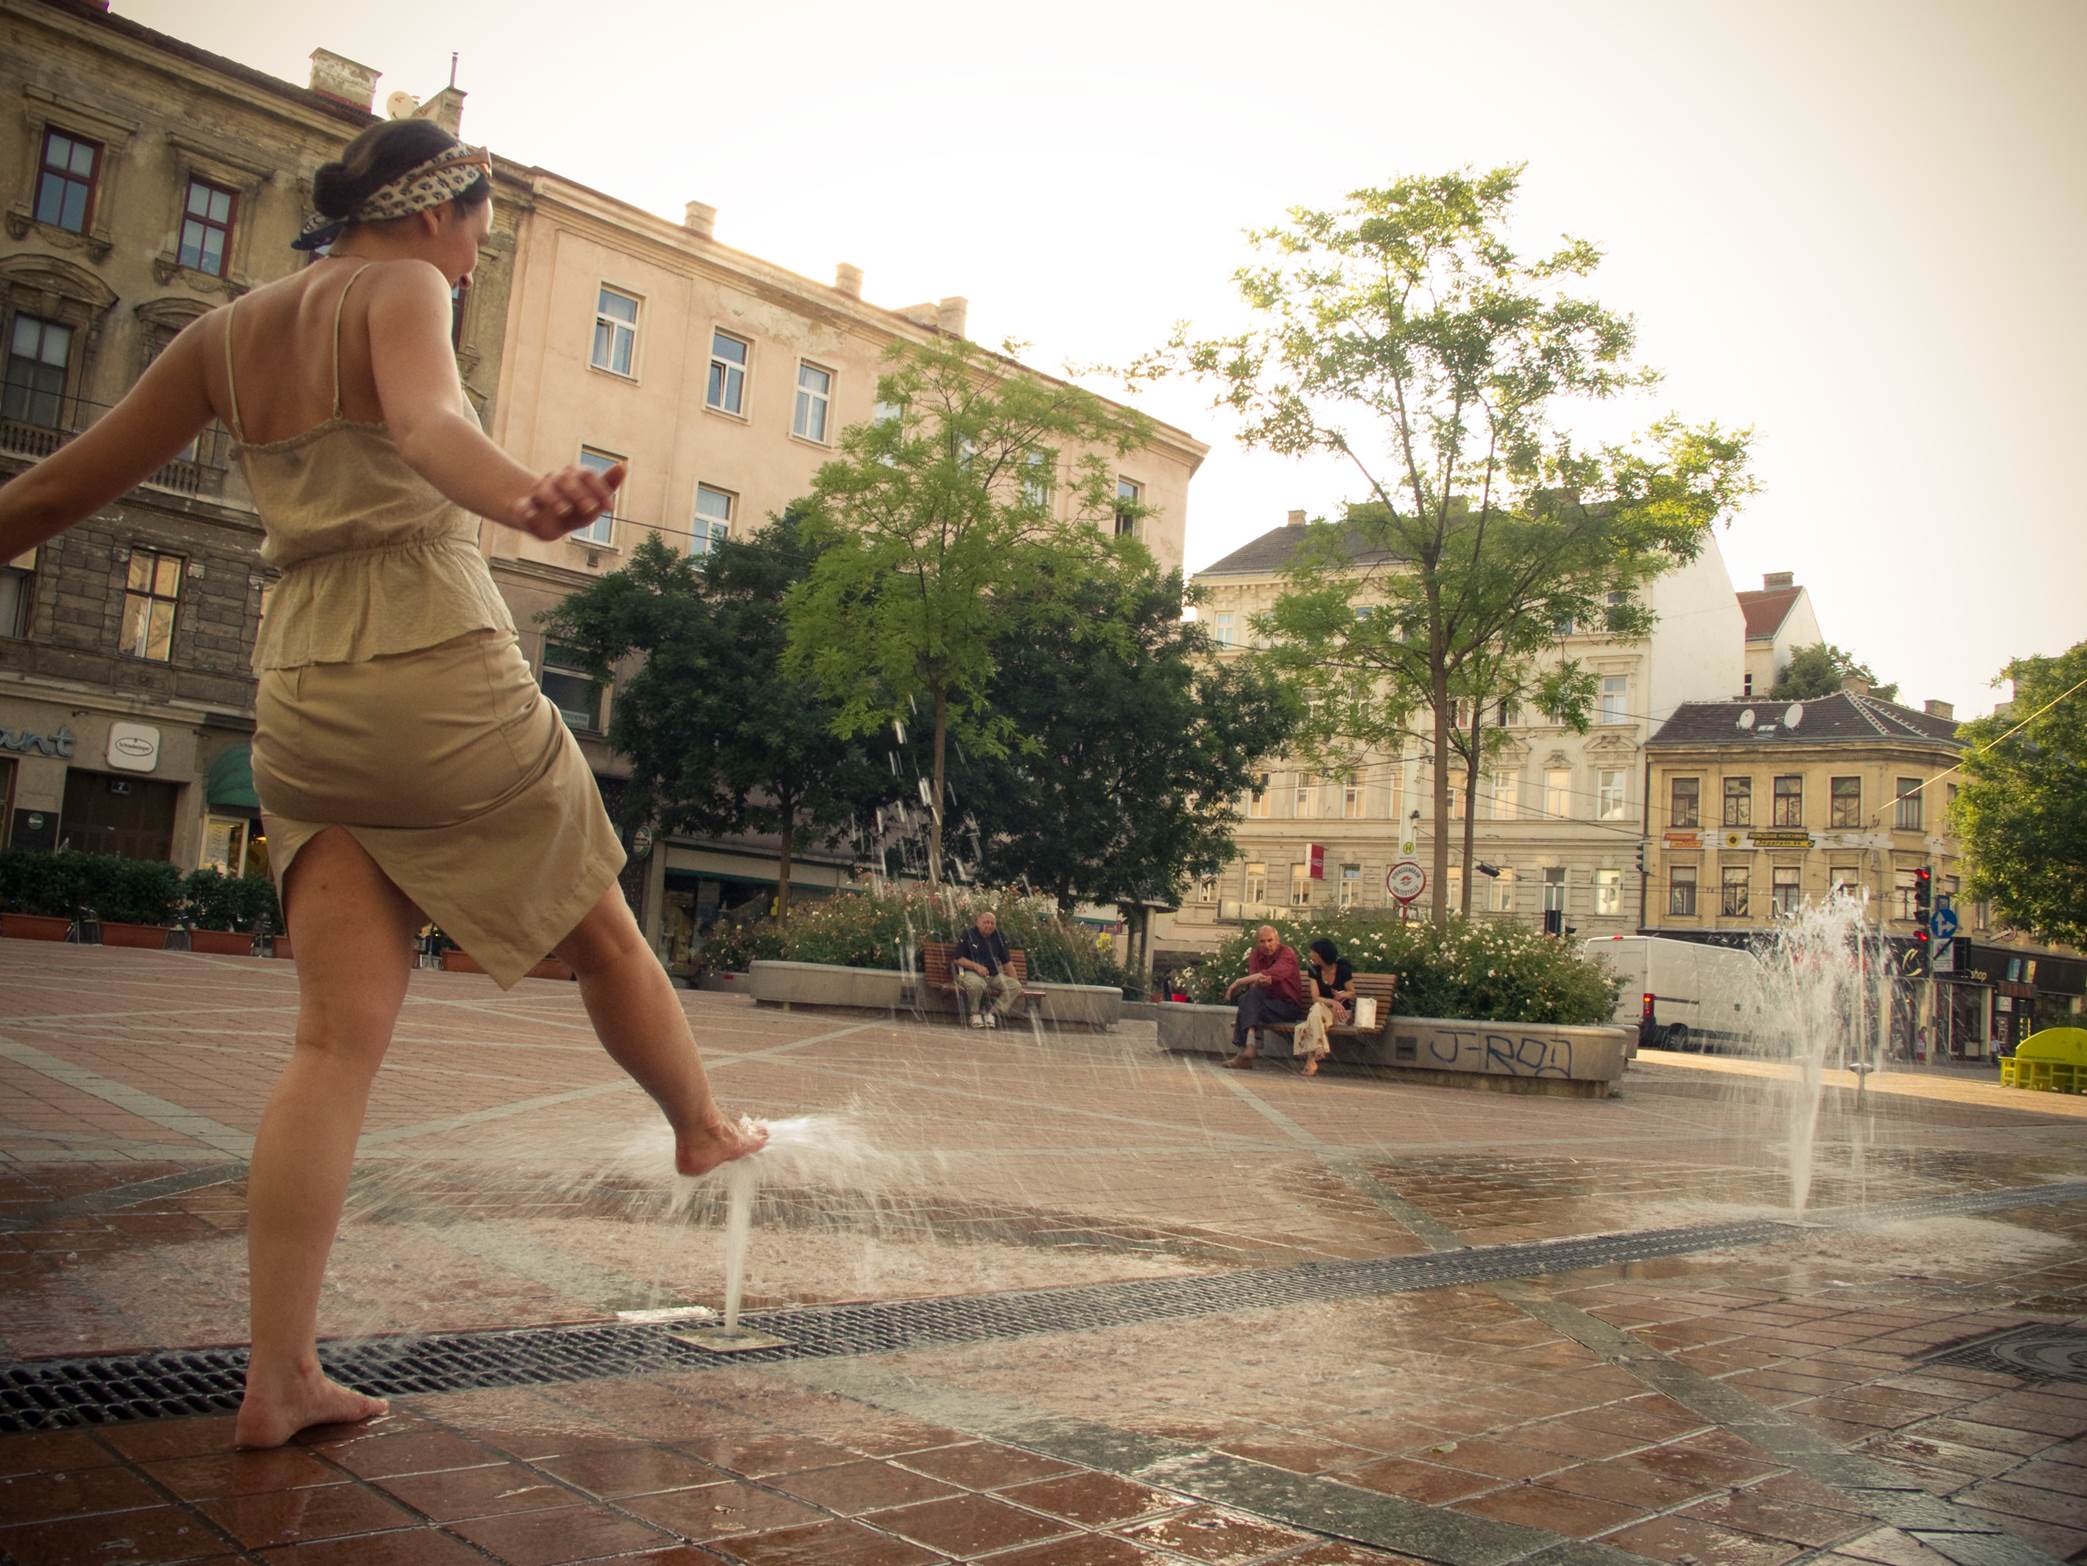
(978, 1019)
(992, 1019)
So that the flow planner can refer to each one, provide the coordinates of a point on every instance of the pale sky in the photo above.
(1860, 228)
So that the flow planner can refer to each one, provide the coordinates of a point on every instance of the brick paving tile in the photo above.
(1428, 1483)
(967, 1525)
(46, 1497)
(1540, 1506)
(713, 1511)
(417, 1451)
(1654, 1418)
(1890, 1547)
(1798, 1490)
(1969, 1461)
(637, 1470)
(2067, 1508)
(1389, 1436)
(292, 1516)
(2059, 1421)
(1628, 1485)
(984, 1465)
(1337, 1552)
(1093, 1549)
(1990, 1438)
(52, 1451)
(457, 1493)
(1748, 1511)
(757, 1456)
(1687, 1542)
(1503, 1459)
(2042, 1474)
(862, 1486)
(891, 1437)
(521, 1423)
(1691, 1463)
(156, 1537)
(157, 1438)
(419, 1547)
(1215, 1536)
(832, 1543)
(1299, 1456)
(1096, 1500)
(1571, 1440)
(2052, 1538)
(551, 1538)
(241, 1473)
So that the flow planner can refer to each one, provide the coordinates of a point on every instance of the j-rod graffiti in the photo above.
(1502, 1054)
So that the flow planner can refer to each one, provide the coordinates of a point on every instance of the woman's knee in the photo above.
(607, 936)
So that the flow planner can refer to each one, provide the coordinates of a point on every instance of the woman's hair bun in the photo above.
(333, 190)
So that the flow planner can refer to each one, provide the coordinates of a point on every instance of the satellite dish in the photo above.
(1793, 715)
(402, 106)
(1746, 718)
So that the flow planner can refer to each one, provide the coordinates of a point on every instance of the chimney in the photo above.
(699, 220)
(337, 77)
(1775, 579)
(446, 109)
(848, 279)
(950, 314)
(1295, 519)
(1940, 709)
(1855, 685)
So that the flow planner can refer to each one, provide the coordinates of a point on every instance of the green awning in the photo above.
(231, 779)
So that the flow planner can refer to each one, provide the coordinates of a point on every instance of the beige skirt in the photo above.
(456, 775)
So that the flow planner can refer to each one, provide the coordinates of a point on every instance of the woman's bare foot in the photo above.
(273, 1411)
(716, 1142)
(1311, 1067)
(1243, 1061)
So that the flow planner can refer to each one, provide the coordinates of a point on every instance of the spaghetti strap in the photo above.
(231, 384)
(339, 305)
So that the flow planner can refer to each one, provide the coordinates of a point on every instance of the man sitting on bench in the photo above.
(1274, 993)
(983, 970)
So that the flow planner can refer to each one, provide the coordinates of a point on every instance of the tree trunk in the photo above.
(1471, 776)
(935, 789)
(1440, 868)
(789, 846)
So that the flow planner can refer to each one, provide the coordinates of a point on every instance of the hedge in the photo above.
(133, 891)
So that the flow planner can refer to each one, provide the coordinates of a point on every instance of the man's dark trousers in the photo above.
(1257, 1006)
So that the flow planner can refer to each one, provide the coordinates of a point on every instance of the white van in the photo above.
(1681, 994)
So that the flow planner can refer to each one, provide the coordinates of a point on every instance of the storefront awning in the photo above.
(231, 779)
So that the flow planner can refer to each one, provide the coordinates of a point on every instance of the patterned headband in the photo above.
(423, 186)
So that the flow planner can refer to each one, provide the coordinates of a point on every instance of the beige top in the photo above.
(374, 559)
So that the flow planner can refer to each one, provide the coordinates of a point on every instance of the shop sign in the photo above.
(1788, 839)
(58, 742)
(1682, 839)
(133, 747)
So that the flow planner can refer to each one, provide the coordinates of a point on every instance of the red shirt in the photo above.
(1282, 973)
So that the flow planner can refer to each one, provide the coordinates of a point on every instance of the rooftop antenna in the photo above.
(452, 67)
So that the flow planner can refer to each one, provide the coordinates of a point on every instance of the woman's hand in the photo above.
(567, 500)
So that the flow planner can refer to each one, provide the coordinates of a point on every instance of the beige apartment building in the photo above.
(723, 381)
(1560, 815)
(1779, 620)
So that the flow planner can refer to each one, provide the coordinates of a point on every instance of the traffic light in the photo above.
(1641, 859)
(1919, 955)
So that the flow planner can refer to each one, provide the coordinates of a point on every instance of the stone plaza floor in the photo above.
(1186, 1315)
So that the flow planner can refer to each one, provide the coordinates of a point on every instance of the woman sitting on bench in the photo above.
(1333, 1002)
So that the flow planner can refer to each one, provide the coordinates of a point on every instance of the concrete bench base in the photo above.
(1501, 1057)
(827, 986)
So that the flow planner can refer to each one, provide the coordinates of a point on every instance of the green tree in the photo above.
(938, 528)
(2021, 810)
(1404, 334)
(1142, 744)
(719, 739)
(1818, 670)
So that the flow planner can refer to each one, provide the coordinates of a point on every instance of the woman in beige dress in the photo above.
(408, 766)
(1331, 982)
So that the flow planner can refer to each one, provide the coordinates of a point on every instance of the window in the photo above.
(1554, 890)
(615, 332)
(1845, 880)
(1506, 714)
(1306, 790)
(456, 315)
(17, 599)
(1846, 807)
(602, 530)
(1300, 886)
(814, 400)
(1907, 818)
(1733, 904)
(1614, 607)
(1608, 892)
(65, 182)
(1129, 498)
(1783, 895)
(1260, 802)
(573, 690)
(1507, 791)
(1739, 802)
(1746, 685)
(713, 518)
(1351, 798)
(1456, 887)
(1351, 885)
(1902, 884)
(1037, 482)
(1789, 801)
(1558, 793)
(37, 354)
(1563, 625)
(206, 228)
(1256, 883)
(1681, 891)
(1457, 799)
(1615, 703)
(1612, 797)
(1504, 890)
(1221, 628)
(1206, 889)
(151, 592)
(728, 361)
(1685, 803)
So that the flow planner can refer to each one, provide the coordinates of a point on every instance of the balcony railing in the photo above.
(199, 472)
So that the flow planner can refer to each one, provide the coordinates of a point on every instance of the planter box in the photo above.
(142, 937)
(280, 945)
(788, 984)
(456, 960)
(221, 943)
(721, 983)
(34, 927)
(550, 968)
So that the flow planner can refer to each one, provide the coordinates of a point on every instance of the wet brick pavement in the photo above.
(1745, 1407)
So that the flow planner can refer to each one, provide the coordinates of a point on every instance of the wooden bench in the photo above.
(1380, 986)
(936, 973)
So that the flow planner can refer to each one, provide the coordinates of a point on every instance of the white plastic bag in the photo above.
(1365, 1011)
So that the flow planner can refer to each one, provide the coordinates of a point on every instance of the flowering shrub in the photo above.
(885, 929)
(1480, 970)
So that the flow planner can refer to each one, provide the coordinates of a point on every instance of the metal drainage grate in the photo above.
(45, 1394)
(2036, 1353)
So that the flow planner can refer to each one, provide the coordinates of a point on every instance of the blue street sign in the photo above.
(1942, 924)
